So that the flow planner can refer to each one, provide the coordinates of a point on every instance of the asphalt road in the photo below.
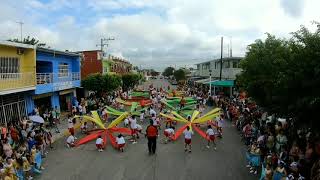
(169, 163)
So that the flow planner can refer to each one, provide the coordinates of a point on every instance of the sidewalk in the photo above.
(63, 128)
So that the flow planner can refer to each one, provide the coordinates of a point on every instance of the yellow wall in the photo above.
(27, 68)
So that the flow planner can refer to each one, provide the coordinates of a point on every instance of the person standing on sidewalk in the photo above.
(152, 134)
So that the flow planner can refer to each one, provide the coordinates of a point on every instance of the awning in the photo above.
(202, 81)
(223, 83)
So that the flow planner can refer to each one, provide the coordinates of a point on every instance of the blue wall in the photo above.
(53, 60)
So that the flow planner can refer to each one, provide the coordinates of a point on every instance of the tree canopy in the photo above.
(283, 75)
(168, 71)
(102, 83)
(130, 80)
(179, 74)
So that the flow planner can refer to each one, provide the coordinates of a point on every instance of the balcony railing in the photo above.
(46, 78)
(12, 81)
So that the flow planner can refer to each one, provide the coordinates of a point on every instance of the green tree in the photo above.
(283, 75)
(102, 83)
(93, 83)
(168, 71)
(130, 80)
(179, 75)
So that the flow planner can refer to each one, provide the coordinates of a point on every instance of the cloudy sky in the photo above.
(155, 33)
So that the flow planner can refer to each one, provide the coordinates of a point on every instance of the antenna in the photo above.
(231, 46)
(21, 23)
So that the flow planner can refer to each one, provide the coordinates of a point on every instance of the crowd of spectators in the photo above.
(277, 149)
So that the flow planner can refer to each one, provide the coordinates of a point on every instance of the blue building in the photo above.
(57, 76)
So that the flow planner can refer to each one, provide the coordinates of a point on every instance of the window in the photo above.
(9, 65)
(215, 65)
(235, 64)
(63, 70)
(198, 67)
(227, 64)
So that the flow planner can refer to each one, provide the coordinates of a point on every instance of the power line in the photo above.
(103, 43)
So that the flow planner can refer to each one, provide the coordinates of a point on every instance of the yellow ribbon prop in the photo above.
(95, 115)
(180, 117)
(118, 120)
(173, 118)
(123, 102)
(194, 115)
(97, 121)
(215, 110)
(206, 118)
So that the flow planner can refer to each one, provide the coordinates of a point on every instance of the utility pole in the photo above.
(221, 59)
(21, 23)
(103, 42)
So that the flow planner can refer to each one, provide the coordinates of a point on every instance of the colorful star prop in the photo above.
(133, 110)
(193, 121)
(187, 110)
(141, 102)
(104, 132)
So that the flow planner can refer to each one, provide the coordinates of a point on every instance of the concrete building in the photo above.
(17, 79)
(115, 65)
(230, 68)
(91, 62)
(58, 76)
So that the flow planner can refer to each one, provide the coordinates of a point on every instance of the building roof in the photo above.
(93, 50)
(223, 59)
(15, 44)
(54, 51)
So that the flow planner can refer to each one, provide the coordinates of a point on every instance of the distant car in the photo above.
(161, 77)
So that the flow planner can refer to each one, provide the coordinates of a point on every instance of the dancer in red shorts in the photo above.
(211, 134)
(99, 144)
(169, 133)
(187, 138)
(120, 142)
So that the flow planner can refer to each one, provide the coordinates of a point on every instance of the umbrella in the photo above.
(36, 119)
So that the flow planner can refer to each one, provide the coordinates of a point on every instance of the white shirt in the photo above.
(70, 123)
(80, 108)
(220, 122)
(120, 140)
(126, 121)
(99, 141)
(187, 134)
(139, 127)
(210, 132)
(70, 139)
(141, 116)
(169, 130)
(153, 112)
(133, 123)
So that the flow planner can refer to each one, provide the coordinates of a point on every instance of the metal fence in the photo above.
(12, 112)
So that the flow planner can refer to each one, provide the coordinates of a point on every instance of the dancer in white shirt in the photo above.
(187, 138)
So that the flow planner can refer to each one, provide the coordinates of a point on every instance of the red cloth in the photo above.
(187, 141)
(166, 133)
(212, 137)
(121, 145)
(99, 146)
(152, 131)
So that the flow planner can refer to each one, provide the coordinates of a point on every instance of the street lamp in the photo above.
(210, 82)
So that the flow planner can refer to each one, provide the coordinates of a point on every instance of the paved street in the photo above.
(170, 162)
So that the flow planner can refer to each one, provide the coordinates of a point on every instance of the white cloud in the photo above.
(156, 33)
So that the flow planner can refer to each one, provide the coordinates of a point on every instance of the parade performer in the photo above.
(152, 134)
(133, 127)
(99, 144)
(169, 133)
(211, 134)
(70, 140)
(187, 138)
(120, 142)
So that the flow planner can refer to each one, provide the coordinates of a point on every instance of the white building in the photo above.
(230, 68)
